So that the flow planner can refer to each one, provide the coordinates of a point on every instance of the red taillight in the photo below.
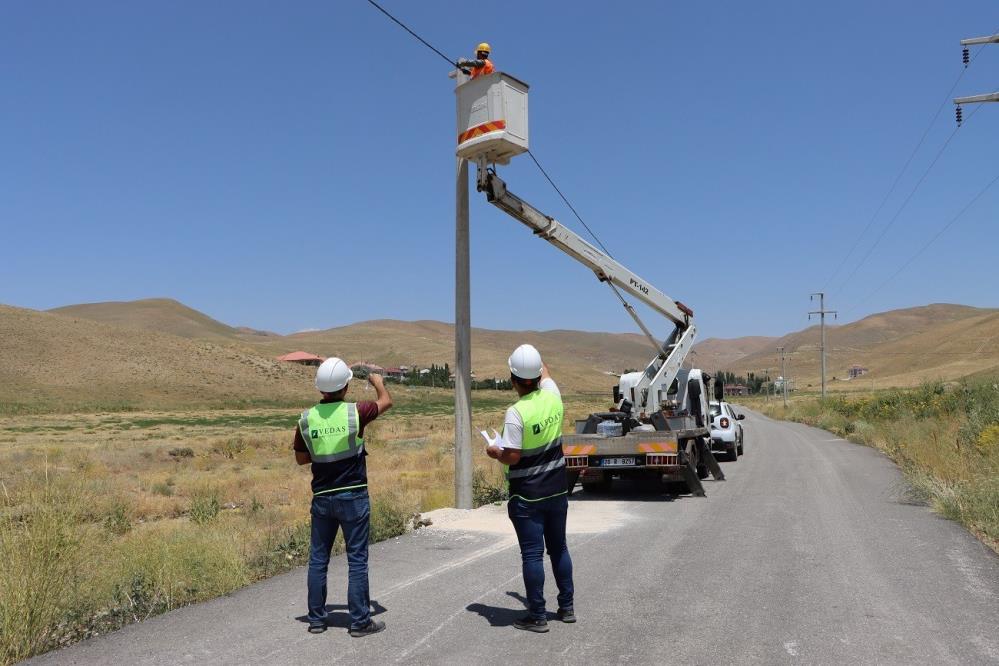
(723, 423)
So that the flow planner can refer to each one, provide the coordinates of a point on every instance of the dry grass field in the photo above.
(111, 517)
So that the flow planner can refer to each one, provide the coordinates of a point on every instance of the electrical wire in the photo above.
(567, 203)
(406, 28)
(947, 100)
(536, 162)
(928, 243)
(901, 208)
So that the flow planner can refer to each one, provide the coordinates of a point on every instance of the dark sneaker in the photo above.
(317, 628)
(528, 623)
(372, 627)
(565, 615)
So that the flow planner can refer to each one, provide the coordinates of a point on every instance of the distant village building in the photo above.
(301, 357)
(857, 371)
(779, 384)
(395, 373)
(736, 389)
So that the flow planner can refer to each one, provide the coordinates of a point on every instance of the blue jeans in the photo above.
(350, 510)
(540, 524)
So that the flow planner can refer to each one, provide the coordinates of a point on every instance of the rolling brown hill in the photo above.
(57, 362)
(900, 348)
(581, 359)
(716, 354)
(163, 315)
(158, 352)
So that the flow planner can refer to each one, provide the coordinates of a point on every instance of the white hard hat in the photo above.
(333, 375)
(525, 362)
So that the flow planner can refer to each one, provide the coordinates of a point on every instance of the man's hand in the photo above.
(382, 397)
(494, 451)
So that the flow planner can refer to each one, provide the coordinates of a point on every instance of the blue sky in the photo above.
(290, 165)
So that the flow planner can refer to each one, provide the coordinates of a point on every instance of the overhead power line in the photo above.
(928, 243)
(406, 28)
(567, 203)
(902, 207)
(947, 100)
(536, 162)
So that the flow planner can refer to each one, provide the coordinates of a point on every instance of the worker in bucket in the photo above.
(330, 435)
(481, 65)
(531, 448)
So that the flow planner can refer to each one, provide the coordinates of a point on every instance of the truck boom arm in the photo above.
(663, 369)
(606, 268)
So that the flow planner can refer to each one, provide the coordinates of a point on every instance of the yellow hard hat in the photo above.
(483, 47)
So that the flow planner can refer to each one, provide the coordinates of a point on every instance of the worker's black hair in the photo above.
(530, 385)
(338, 395)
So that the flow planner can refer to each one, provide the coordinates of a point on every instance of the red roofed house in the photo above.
(302, 357)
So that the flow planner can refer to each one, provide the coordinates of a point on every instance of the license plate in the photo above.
(617, 462)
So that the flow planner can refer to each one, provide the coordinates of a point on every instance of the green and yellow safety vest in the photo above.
(540, 473)
(330, 431)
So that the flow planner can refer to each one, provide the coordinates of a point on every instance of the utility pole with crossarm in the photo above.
(974, 99)
(822, 312)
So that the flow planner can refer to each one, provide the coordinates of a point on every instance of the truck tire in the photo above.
(702, 472)
(571, 479)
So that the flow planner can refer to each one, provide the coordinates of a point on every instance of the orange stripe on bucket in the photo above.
(479, 130)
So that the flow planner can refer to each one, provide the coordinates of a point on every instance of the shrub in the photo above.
(231, 448)
(486, 490)
(118, 520)
(182, 452)
(164, 489)
(205, 507)
(389, 516)
(39, 557)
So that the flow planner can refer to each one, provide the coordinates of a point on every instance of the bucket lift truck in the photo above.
(659, 425)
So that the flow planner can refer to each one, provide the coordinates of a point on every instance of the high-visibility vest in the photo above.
(487, 68)
(330, 431)
(540, 472)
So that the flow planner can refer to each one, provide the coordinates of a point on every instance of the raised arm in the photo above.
(382, 397)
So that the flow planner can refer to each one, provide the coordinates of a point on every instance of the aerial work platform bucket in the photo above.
(492, 118)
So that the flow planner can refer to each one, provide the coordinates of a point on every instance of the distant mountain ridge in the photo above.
(899, 347)
(165, 315)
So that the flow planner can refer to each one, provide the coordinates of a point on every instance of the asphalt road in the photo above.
(809, 552)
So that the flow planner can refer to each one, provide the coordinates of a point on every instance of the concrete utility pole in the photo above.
(822, 312)
(462, 345)
(783, 374)
(974, 99)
